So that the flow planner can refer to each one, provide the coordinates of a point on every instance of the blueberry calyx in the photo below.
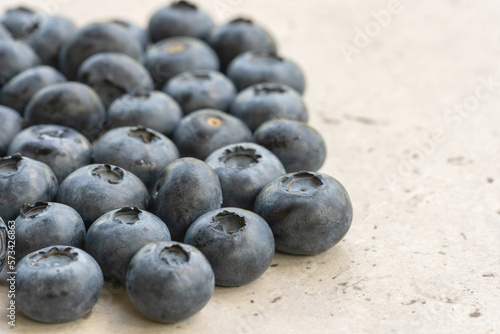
(54, 257)
(174, 255)
(31, 211)
(32, 27)
(241, 20)
(214, 121)
(54, 134)
(127, 215)
(268, 89)
(267, 55)
(177, 48)
(107, 173)
(184, 5)
(202, 75)
(301, 183)
(140, 93)
(228, 222)
(10, 165)
(143, 134)
(240, 157)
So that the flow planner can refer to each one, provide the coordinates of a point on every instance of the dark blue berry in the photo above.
(180, 18)
(115, 237)
(203, 131)
(252, 67)
(67, 286)
(296, 144)
(63, 149)
(238, 244)
(308, 212)
(169, 281)
(243, 170)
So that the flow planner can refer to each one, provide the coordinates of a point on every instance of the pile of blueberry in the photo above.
(171, 159)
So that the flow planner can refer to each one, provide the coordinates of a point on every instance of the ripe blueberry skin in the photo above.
(24, 180)
(96, 189)
(180, 18)
(155, 110)
(262, 102)
(186, 189)
(48, 39)
(128, 226)
(71, 104)
(20, 21)
(203, 131)
(142, 151)
(112, 74)
(139, 33)
(172, 56)
(19, 90)
(15, 57)
(238, 244)
(169, 281)
(296, 144)
(68, 284)
(45, 224)
(4, 33)
(63, 149)
(96, 38)
(10, 125)
(3, 244)
(238, 36)
(308, 212)
(243, 170)
(251, 68)
(201, 89)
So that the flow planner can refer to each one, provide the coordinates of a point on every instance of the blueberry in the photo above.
(262, 102)
(203, 131)
(128, 226)
(201, 89)
(243, 170)
(63, 149)
(67, 286)
(96, 189)
(15, 57)
(20, 21)
(71, 104)
(4, 33)
(24, 180)
(308, 212)
(45, 224)
(112, 74)
(155, 110)
(48, 39)
(180, 18)
(238, 36)
(92, 39)
(296, 144)
(169, 281)
(142, 35)
(141, 151)
(3, 244)
(172, 56)
(19, 90)
(10, 125)
(238, 244)
(186, 189)
(251, 68)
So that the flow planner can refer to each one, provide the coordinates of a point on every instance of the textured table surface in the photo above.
(410, 110)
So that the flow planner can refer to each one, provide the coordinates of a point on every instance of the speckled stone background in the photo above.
(410, 110)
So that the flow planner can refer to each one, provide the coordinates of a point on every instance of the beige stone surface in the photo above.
(412, 124)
